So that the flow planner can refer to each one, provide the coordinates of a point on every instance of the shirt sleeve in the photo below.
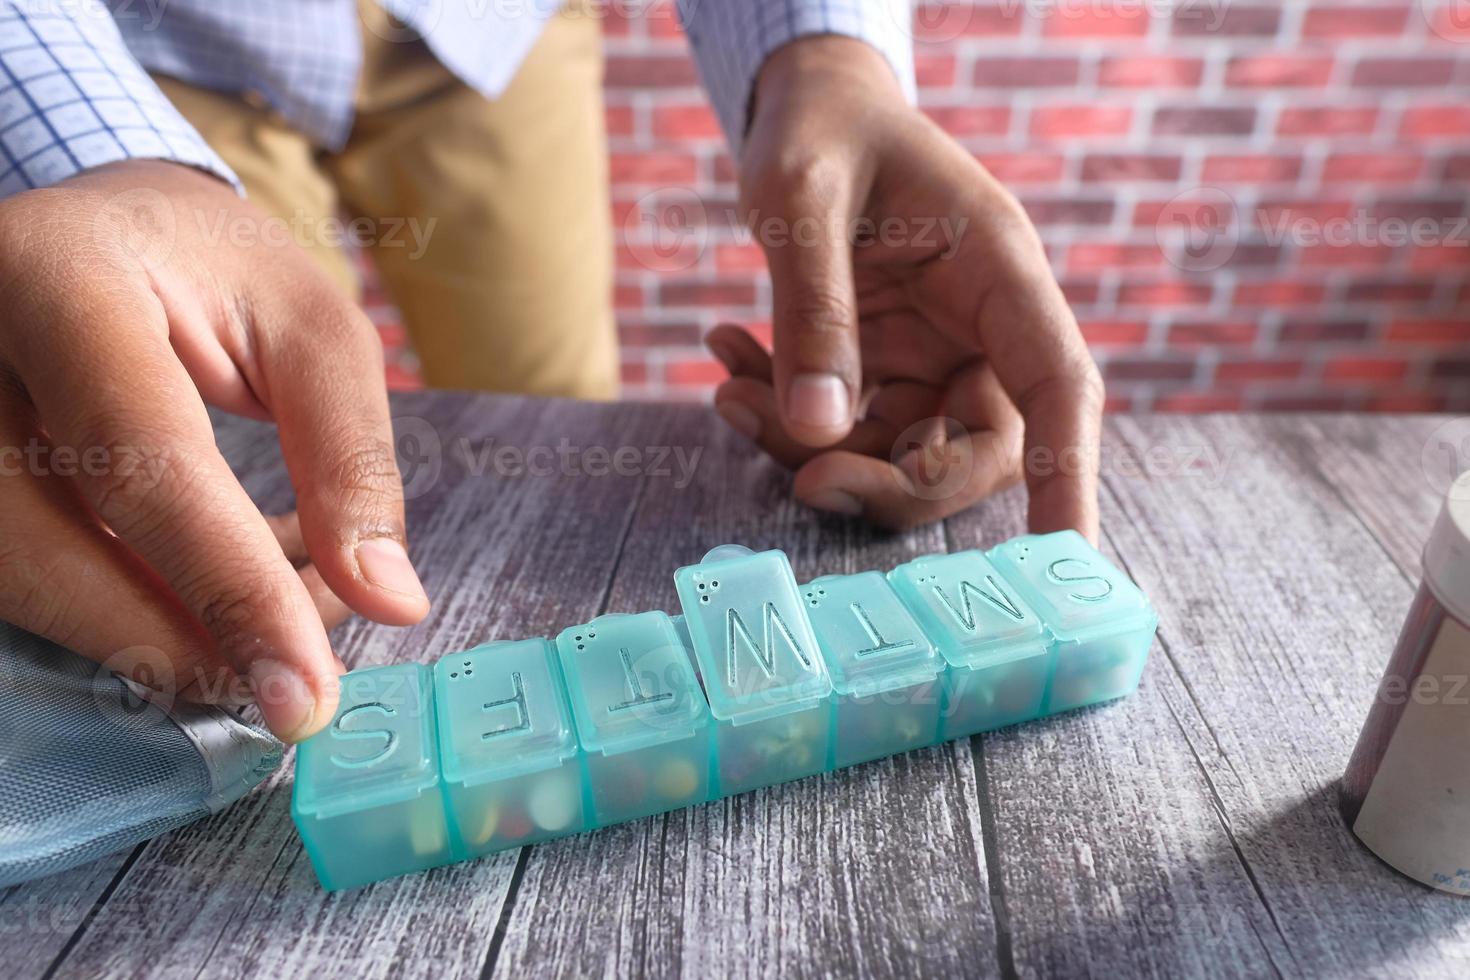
(732, 39)
(72, 98)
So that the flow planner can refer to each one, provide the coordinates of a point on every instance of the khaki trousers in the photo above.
(490, 223)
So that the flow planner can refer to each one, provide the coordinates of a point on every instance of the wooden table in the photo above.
(1189, 830)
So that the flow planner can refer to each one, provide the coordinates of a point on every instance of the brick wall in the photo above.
(1253, 205)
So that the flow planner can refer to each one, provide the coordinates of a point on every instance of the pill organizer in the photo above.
(761, 680)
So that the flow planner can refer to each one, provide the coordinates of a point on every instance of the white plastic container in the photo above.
(1406, 794)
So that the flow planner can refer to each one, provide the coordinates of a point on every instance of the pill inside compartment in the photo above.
(764, 677)
(884, 670)
(367, 798)
(997, 655)
(508, 752)
(1101, 623)
(640, 714)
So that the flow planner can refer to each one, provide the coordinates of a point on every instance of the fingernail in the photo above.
(385, 564)
(818, 400)
(740, 418)
(837, 501)
(285, 699)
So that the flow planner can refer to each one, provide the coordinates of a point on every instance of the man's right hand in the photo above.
(126, 305)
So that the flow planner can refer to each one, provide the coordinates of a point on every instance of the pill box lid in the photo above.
(502, 710)
(379, 749)
(1447, 555)
(1077, 591)
(869, 639)
(971, 613)
(631, 682)
(760, 590)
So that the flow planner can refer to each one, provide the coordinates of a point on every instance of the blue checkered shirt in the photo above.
(74, 92)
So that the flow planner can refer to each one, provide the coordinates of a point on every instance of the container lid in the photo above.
(502, 712)
(630, 682)
(870, 640)
(379, 749)
(754, 646)
(1447, 556)
(1067, 581)
(968, 609)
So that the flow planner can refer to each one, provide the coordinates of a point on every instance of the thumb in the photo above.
(817, 367)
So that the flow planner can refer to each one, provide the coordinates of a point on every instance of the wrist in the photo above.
(837, 65)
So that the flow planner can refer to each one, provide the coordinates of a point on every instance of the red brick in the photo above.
(1114, 333)
(1327, 121)
(740, 258)
(946, 20)
(1024, 168)
(724, 169)
(1305, 403)
(1150, 71)
(725, 292)
(1279, 71)
(1225, 20)
(1080, 292)
(662, 19)
(1203, 121)
(1338, 21)
(1080, 121)
(1111, 167)
(1355, 256)
(1444, 257)
(971, 120)
(1025, 72)
(1323, 331)
(1408, 401)
(1277, 213)
(1198, 401)
(1169, 293)
(1102, 256)
(1278, 292)
(627, 296)
(1113, 20)
(650, 71)
(634, 372)
(1390, 290)
(1365, 369)
(1148, 369)
(685, 122)
(655, 335)
(1251, 168)
(1233, 333)
(1452, 332)
(934, 70)
(1374, 167)
(695, 371)
(619, 120)
(1403, 72)
(1258, 369)
(1427, 122)
(1069, 211)
(1457, 167)
(1115, 404)
(677, 169)
(1454, 368)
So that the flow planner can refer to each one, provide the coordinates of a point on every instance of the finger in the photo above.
(1037, 351)
(287, 529)
(749, 406)
(64, 577)
(742, 355)
(937, 470)
(817, 367)
(321, 376)
(169, 495)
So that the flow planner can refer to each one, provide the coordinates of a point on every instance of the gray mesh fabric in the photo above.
(88, 768)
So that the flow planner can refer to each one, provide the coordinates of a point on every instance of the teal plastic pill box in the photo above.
(760, 681)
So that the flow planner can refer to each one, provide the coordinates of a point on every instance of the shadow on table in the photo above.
(1298, 896)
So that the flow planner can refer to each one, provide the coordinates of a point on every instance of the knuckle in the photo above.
(364, 482)
(232, 613)
(817, 311)
(141, 484)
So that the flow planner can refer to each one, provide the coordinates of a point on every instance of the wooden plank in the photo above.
(503, 557)
(1276, 612)
(877, 870)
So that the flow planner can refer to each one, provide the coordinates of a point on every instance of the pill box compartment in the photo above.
(507, 748)
(885, 672)
(998, 659)
(367, 798)
(640, 714)
(763, 673)
(1101, 623)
